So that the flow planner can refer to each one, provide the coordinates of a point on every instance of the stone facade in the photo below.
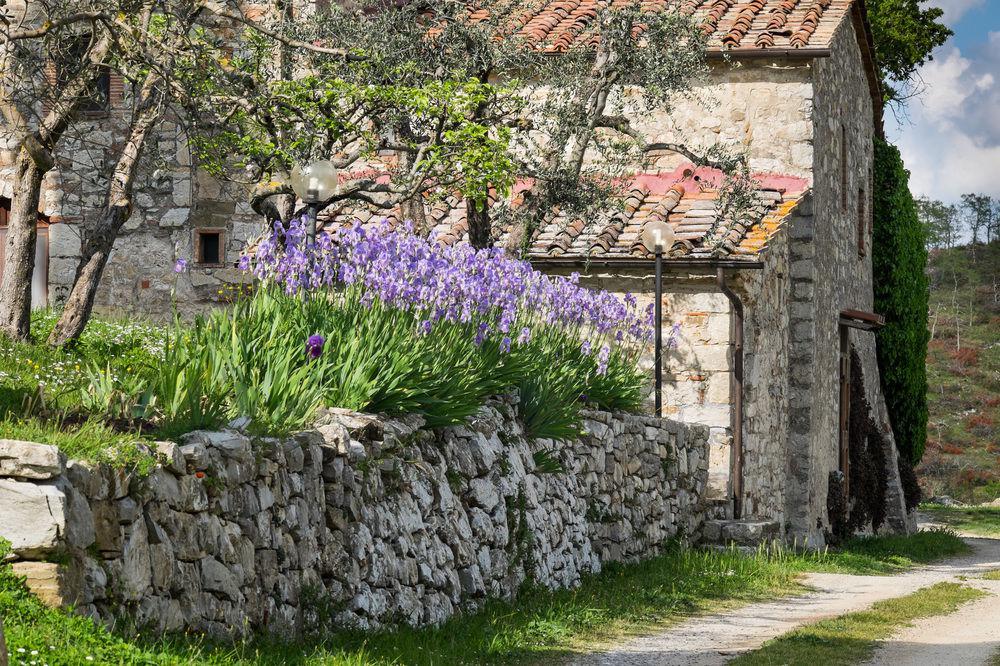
(817, 265)
(361, 522)
(831, 271)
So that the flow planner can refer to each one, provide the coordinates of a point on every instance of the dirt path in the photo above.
(970, 636)
(712, 640)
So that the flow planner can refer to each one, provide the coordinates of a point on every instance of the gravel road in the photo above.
(711, 640)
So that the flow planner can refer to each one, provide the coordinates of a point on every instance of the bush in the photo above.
(899, 259)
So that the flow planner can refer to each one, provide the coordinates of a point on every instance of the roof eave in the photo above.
(646, 262)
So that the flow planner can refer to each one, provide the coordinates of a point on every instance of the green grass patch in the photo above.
(90, 440)
(884, 554)
(979, 520)
(620, 601)
(993, 574)
(851, 638)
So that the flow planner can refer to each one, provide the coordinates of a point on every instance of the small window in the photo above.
(208, 247)
(862, 222)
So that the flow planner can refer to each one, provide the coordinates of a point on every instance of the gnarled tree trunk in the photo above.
(19, 252)
(118, 207)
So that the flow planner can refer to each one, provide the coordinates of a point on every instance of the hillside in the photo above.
(962, 458)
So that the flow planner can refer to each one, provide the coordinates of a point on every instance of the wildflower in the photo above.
(524, 336)
(424, 327)
(314, 345)
(180, 265)
(244, 263)
(585, 348)
(505, 344)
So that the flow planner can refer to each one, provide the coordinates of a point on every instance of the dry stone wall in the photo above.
(361, 522)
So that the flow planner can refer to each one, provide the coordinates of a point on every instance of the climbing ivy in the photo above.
(899, 258)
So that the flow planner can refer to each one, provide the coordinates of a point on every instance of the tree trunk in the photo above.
(118, 207)
(19, 253)
(480, 233)
(94, 258)
(412, 209)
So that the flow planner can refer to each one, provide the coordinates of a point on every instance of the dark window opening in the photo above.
(209, 247)
(70, 63)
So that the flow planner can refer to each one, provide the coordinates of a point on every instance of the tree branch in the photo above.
(622, 125)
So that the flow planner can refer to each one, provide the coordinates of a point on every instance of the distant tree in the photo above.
(940, 222)
(978, 213)
(906, 32)
(993, 230)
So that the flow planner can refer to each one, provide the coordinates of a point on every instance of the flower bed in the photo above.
(378, 320)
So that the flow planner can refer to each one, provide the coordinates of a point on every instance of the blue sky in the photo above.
(950, 135)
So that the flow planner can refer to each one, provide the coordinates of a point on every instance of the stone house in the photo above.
(768, 311)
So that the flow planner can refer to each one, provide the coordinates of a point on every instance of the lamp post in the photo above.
(314, 183)
(658, 237)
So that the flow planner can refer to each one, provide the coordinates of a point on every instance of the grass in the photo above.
(90, 440)
(886, 554)
(851, 638)
(978, 520)
(540, 624)
(993, 574)
(963, 376)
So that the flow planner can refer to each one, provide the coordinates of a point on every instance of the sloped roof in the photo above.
(686, 198)
(557, 25)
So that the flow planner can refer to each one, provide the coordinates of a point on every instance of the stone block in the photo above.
(32, 517)
(28, 460)
(62, 270)
(175, 217)
(49, 582)
(216, 577)
(64, 240)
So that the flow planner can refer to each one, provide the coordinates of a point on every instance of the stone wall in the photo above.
(362, 522)
(760, 105)
(765, 294)
(697, 367)
(829, 274)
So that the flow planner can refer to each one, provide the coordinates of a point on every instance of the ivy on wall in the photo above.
(899, 258)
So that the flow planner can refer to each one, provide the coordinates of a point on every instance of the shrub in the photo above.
(899, 260)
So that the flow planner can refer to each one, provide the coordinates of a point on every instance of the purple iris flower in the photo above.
(484, 291)
(244, 264)
(314, 345)
(505, 344)
(180, 265)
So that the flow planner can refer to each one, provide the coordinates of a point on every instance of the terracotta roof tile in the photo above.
(557, 25)
(686, 198)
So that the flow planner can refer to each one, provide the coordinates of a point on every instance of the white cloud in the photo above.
(951, 143)
(954, 10)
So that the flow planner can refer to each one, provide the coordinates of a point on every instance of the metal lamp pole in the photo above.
(658, 315)
(312, 209)
(658, 237)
